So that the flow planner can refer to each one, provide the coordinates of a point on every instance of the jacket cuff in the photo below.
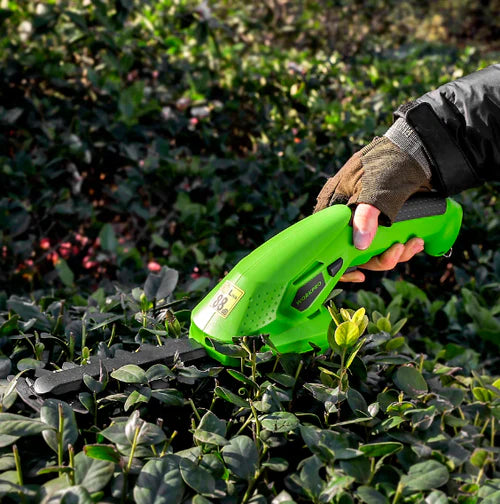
(406, 138)
(451, 170)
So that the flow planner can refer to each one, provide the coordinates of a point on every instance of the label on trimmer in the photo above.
(226, 298)
(308, 293)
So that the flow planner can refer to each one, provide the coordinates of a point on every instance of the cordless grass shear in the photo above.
(281, 288)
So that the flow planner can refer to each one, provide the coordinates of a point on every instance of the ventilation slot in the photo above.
(261, 309)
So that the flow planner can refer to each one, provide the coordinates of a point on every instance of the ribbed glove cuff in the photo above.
(407, 139)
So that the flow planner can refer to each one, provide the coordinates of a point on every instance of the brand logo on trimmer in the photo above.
(306, 295)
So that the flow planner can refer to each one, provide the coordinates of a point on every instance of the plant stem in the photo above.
(168, 442)
(195, 409)
(60, 435)
(84, 331)
(245, 424)
(421, 363)
(17, 460)
(372, 471)
(126, 470)
(257, 425)
(71, 452)
(112, 337)
(342, 369)
(253, 481)
(134, 446)
(397, 495)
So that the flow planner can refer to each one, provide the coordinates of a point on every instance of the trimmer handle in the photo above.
(433, 218)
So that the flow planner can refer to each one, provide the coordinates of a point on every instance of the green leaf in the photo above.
(29, 363)
(426, 476)
(116, 433)
(160, 482)
(9, 326)
(87, 400)
(280, 421)
(211, 423)
(398, 326)
(478, 457)
(199, 479)
(358, 468)
(309, 476)
(70, 495)
(482, 394)
(55, 469)
(102, 452)
(7, 440)
(49, 413)
(354, 352)
(92, 384)
(130, 373)
(65, 273)
(241, 457)
(149, 433)
(410, 381)
(384, 325)
(490, 491)
(358, 317)
(395, 343)
(161, 285)
(228, 349)
(19, 425)
(231, 397)
(380, 449)
(143, 395)
(238, 375)
(169, 397)
(283, 379)
(209, 437)
(158, 372)
(108, 239)
(331, 337)
(371, 496)
(327, 444)
(92, 473)
(346, 334)
(437, 497)
(276, 464)
(357, 402)
(336, 484)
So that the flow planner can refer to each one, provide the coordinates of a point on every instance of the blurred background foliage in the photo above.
(136, 134)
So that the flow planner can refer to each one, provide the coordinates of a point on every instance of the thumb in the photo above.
(365, 223)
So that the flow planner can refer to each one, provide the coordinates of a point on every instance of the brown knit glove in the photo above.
(380, 174)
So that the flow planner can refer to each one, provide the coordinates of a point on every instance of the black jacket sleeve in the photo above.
(459, 125)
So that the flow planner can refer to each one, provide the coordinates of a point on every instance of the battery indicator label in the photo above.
(226, 298)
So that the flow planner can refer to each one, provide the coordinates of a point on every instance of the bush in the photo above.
(167, 133)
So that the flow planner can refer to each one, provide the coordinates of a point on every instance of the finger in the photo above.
(412, 247)
(364, 225)
(355, 276)
(387, 260)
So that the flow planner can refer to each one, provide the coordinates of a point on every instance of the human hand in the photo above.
(376, 181)
(381, 174)
(365, 223)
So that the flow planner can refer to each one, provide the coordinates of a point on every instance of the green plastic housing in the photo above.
(281, 287)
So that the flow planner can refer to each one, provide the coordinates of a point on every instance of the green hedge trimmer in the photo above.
(280, 289)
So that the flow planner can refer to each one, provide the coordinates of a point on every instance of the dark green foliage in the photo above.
(140, 133)
(155, 143)
(370, 420)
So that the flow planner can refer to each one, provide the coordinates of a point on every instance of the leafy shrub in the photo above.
(169, 133)
(373, 420)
